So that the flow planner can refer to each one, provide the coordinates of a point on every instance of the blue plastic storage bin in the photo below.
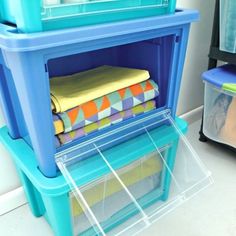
(157, 44)
(119, 190)
(41, 15)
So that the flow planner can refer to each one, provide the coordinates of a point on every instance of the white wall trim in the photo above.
(11, 200)
(194, 115)
(16, 197)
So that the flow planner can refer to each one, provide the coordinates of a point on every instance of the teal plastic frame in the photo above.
(32, 16)
(49, 197)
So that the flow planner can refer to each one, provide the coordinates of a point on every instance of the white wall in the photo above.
(191, 93)
(191, 89)
(8, 177)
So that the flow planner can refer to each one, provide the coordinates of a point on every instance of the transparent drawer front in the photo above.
(111, 203)
(123, 188)
(220, 115)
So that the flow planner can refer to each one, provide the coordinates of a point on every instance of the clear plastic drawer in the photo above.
(125, 180)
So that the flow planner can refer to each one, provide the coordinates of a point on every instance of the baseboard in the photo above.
(11, 200)
(193, 115)
(16, 198)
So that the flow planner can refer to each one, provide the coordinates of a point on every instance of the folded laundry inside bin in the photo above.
(105, 106)
(64, 138)
(217, 115)
(70, 91)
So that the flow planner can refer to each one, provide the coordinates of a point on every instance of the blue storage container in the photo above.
(157, 44)
(41, 15)
(119, 190)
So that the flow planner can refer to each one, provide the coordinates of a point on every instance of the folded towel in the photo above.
(228, 131)
(105, 188)
(105, 106)
(58, 124)
(120, 116)
(217, 114)
(73, 90)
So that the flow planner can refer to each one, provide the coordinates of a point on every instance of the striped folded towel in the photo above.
(130, 175)
(105, 106)
(64, 138)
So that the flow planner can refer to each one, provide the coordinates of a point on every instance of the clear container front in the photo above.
(124, 183)
(228, 26)
(111, 204)
(220, 115)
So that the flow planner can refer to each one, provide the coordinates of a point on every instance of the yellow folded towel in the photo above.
(58, 126)
(103, 189)
(73, 90)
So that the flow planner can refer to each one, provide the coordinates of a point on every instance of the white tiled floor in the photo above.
(211, 213)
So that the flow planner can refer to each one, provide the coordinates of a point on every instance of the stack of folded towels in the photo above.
(92, 100)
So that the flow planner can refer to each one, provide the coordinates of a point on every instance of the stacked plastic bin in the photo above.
(45, 15)
(118, 180)
(220, 104)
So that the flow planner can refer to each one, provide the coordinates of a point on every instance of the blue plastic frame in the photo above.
(25, 92)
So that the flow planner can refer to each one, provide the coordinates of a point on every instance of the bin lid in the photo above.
(223, 77)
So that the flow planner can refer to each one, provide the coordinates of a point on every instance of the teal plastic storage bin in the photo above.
(119, 190)
(220, 104)
(228, 25)
(41, 15)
